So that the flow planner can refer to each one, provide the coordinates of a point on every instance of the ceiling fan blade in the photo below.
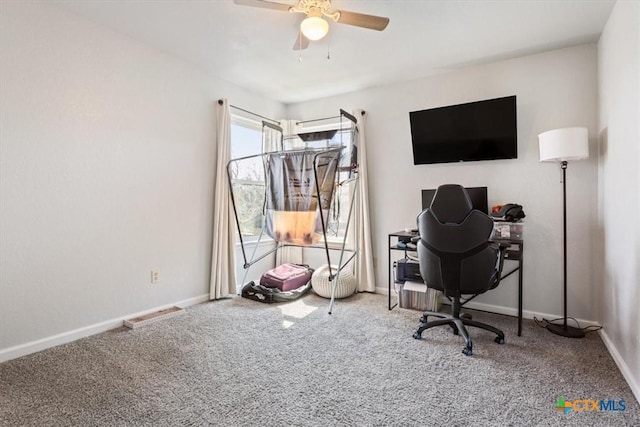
(361, 20)
(264, 4)
(301, 42)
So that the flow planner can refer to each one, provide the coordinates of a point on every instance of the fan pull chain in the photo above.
(329, 47)
(300, 47)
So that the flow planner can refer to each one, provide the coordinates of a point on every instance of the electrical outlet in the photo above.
(155, 276)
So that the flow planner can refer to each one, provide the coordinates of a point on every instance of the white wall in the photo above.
(619, 189)
(107, 165)
(554, 89)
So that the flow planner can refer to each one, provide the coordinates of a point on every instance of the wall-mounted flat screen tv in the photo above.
(482, 130)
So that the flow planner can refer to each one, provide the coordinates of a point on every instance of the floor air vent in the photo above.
(136, 322)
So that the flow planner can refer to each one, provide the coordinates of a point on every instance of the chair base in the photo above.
(458, 324)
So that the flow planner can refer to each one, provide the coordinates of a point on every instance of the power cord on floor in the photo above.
(544, 322)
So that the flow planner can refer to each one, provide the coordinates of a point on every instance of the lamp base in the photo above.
(565, 331)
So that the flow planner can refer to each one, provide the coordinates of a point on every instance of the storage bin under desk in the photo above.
(507, 230)
(418, 297)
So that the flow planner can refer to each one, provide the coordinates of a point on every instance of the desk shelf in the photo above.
(394, 238)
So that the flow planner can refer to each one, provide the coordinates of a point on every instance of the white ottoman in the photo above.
(321, 285)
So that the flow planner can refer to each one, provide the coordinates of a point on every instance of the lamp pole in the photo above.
(563, 165)
(564, 329)
(562, 145)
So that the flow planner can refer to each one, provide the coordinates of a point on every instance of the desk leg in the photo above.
(389, 270)
(520, 291)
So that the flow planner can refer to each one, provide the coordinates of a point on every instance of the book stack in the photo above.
(417, 296)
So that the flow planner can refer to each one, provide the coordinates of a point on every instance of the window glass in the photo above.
(247, 176)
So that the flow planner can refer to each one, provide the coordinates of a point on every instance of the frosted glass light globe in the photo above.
(314, 28)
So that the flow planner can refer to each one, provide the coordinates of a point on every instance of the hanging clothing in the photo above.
(300, 187)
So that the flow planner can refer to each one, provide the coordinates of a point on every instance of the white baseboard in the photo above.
(509, 311)
(526, 314)
(622, 365)
(65, 337)
(382, 290)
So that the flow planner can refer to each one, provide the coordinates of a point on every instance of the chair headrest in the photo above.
(451, 204)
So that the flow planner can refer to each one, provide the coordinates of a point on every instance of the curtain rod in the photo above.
(220, 101)
(342, 113)
(317, 120)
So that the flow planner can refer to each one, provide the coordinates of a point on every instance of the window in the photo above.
(247, 175)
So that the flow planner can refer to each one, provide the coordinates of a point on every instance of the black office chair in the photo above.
(456, 258)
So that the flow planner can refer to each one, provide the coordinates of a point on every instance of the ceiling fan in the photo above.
(314, 27)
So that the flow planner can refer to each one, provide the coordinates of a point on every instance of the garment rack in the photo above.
(344, 260)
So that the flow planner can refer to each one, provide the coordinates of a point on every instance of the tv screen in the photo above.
(482, 130)
(478, 196)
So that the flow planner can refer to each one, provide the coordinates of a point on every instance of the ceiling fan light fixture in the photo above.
(314, 27)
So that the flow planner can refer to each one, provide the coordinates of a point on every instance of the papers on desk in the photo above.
(415, 286)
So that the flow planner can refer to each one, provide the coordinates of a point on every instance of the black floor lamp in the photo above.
(564, 145)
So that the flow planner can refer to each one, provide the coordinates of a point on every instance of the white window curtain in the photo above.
(271, 140)
(223, 278)
(364, 264)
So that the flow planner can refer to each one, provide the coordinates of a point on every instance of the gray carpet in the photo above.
(239, 362)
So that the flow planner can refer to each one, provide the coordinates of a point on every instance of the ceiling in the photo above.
(253, 47)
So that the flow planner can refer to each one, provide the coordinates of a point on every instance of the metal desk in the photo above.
(513, 247)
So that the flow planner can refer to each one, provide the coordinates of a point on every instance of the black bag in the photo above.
(511, 212)
(261, 293)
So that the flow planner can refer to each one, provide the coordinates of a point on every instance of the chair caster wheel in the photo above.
(423, 319)
(417, 336)
(467, 351)
(466, 316)
(499, 340)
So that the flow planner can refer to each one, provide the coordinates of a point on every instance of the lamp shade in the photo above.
(314, 27)
(565, 144)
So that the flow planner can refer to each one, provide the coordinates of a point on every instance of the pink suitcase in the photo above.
(286, 277)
